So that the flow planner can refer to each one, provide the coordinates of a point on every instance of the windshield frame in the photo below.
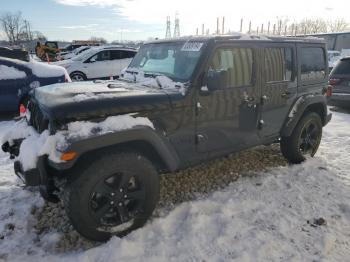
(171, 76)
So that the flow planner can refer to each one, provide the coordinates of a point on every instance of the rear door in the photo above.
(279, 87)
(227, 117)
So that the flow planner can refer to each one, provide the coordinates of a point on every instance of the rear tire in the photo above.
(304, 140)
(112, 195)
(78, 76)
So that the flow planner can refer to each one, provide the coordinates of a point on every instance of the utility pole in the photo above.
(202, 29)
(250, 27)
(268, 28)
(177, 25)
(223, 25)
(241, 27)
(217, 26)
(168, 32)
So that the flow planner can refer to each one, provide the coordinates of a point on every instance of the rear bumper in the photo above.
(341, 100)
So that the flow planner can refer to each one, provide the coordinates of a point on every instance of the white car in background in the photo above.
(98, 63)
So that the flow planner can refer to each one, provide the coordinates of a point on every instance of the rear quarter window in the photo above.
(313, 64)
(342, 68)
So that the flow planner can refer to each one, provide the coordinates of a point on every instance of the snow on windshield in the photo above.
(35, 144)
(7, 72)
(160, 81)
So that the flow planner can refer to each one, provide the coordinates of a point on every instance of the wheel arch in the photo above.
(302, 106)
(143, 140)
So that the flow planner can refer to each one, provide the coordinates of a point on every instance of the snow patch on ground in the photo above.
(268, 217)
(7, 72)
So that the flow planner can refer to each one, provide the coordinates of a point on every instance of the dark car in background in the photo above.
(18, 77)
(14, 53)
(339, 80)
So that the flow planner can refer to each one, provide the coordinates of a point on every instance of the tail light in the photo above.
(22, 110)
(329, 91)
(334, 81)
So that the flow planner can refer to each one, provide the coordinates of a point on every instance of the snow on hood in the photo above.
(35, 144)
(161, 81)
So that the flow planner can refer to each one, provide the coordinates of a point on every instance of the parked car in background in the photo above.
(14, 53)
(18, 77)
(74, 53)
(98, 63)
(333, 58)
(339, 80)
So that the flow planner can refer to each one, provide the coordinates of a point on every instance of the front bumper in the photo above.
(328, 118)
(33, 177)
(30, 177)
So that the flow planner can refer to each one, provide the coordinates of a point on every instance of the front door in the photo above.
(99, 65)
(279, 87)
(227, 116)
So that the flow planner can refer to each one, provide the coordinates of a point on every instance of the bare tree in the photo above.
(39, 36)
(13, 26)
(98, 39)
(338, 25)
(312, 26)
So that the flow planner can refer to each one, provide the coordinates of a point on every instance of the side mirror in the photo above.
(216, 80)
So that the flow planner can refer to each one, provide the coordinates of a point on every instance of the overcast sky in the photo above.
(140, 19)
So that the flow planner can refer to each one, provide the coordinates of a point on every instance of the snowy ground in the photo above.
(289, 213)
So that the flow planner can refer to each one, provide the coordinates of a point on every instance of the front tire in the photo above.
(78, 77)
(304, 140)
(113, 195)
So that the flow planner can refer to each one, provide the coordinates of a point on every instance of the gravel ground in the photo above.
(189, 184)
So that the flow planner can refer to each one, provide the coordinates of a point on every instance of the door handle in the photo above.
(249, 101)
(286, 94)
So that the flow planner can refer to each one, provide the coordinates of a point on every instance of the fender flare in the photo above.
(158, 142)
(301, 105)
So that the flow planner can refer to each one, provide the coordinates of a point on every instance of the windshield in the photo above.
(175, 60)
(85, 54)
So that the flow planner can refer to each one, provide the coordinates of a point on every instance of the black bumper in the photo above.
(33, 177)
(328, 118)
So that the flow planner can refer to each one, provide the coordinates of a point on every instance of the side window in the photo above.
(101, 56)
(115, 54)
(313, 63)
(236, 64)
(278, 64)
(127, 54)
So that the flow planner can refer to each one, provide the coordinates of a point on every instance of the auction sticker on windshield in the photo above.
(192, 46)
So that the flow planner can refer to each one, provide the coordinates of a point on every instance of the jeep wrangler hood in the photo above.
(83, 100)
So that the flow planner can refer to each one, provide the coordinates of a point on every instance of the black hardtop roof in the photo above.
(241, 37)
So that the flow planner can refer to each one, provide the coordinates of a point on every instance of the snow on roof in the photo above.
(41, 69)
(7, 72)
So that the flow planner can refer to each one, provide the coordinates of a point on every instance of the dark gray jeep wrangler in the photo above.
(100, 146)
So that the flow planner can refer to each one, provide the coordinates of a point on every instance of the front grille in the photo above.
(37, 119)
